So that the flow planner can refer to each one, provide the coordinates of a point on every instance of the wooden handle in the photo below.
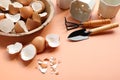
(103, 28)
(96, 23)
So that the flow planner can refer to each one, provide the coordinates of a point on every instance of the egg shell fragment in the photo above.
(20, 27)
(4, 4)
(36, 17)
(28, 52)
(14, 18)
(53, 40)
(26, 12)
(14, 7)
(31, 24)
(2, 16)
(38, 6)
(14, 48)
(6, 28)
(24, 2)
(43, 16)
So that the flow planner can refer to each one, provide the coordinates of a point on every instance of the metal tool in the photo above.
(83, 33)
(88, 24)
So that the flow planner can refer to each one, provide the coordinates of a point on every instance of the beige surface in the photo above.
(97, 58)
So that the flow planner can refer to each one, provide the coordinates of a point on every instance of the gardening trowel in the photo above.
(84, 34)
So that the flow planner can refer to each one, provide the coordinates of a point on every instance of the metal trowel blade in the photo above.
(78, 35)
(78, 38)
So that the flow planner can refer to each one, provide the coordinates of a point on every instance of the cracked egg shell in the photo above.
(2, 16)
(14, 18)
(6, 28)
(14, 48)
(53, 40)
(24, 2)
(14, 7)
(31, 24)
(38, 6)
(4, 4)
(20, 27)
(26, 12)
(36, 17)
(28, 52)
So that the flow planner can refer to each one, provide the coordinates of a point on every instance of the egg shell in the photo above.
(13, 10)
(39, 43)
(31, 24)
(18, 28)
(36, 17)
(28, 52)
(43, 16)
(38, 6)
(26, 12)
(2, 16)
(24, 2)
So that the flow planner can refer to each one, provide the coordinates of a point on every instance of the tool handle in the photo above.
(96, 23)
(103, 28)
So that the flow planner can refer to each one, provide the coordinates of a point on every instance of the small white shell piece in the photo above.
(14, 48)
(17, 5)
(5, 4)
(13, 18)
(28, 52)
(53, 40)
(6, 27)
(43, 66)
(23, 25)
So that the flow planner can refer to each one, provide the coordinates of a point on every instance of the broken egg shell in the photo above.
(31, 24)
(17, 5)
(38, 6)
(6, 28)
(53, 61)
(54, 44)
(43, 16)
(2, 16)
(13, 10)
(26, 12)
(36, 17)
(43, 66)
(53, 40)
(42, 70)
(28, 52)
(4, 4)
(13, 18)
(24, 2)
(39, 43)
(14, 7)
(20, 27)
(14, 48)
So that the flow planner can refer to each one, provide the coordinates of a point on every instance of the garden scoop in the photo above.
(84, 34)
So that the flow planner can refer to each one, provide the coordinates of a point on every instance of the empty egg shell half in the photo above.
(28, 52)
(53, 40)
(14, 48)
(14, 7)
(26, 12)
(6, 28)
(38, 6)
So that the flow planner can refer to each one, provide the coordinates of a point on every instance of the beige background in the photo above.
(97, 58)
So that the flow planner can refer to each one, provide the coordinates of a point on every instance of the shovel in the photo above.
(83, 33)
